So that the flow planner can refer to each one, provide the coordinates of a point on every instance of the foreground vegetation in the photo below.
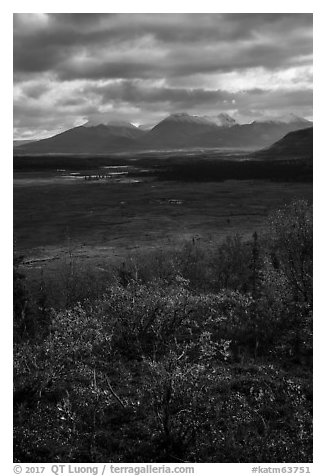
(197, 354)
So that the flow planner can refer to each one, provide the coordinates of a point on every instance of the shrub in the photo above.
(291, 247)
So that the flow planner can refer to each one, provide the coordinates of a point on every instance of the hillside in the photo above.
(88, 139)
(294, 145)
(19, 143)
(177, 130)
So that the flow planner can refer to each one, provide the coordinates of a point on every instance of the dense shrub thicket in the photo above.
(192, 355)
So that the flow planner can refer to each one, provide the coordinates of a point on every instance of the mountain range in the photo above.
(179, 130)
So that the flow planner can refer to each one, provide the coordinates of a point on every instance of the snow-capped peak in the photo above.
(108, 123)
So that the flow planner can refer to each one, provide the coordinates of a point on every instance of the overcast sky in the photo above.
(69, 68)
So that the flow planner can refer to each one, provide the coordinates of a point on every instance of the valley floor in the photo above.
(96, 220)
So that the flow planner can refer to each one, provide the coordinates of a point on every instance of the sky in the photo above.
(71, 68)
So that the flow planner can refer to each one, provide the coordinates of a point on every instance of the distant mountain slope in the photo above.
(88, 139)
(18, 143)
(116, 128)
(295, 145)
(177, 130)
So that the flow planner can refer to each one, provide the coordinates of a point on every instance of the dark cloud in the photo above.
(36, 90)
(138, 63)
(189, 43)
(198, 100)
(135, 93)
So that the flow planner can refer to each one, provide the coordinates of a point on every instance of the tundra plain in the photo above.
(104, 212)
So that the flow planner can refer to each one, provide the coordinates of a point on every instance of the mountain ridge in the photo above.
(178, 130)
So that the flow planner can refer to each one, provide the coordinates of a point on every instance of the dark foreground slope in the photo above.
(295, 145)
